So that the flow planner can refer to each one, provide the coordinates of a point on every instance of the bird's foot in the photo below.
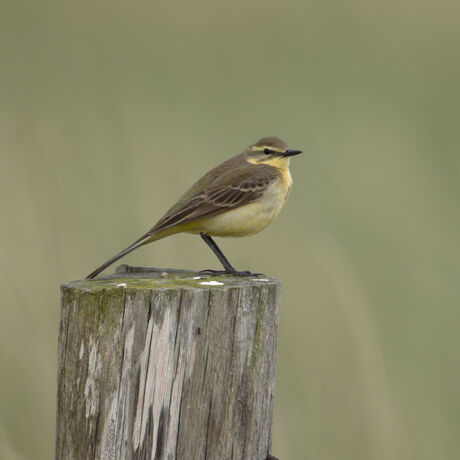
(246, 273)
(213, 272)
(228, 272)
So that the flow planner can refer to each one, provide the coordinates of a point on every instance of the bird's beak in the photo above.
(290, 153)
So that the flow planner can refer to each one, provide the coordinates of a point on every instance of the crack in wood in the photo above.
(150, 322)
(208, 424)
(178, 317)
(162, 426)
(205, 370)
(178, 423)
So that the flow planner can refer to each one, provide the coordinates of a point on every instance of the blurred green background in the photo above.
(101, 101)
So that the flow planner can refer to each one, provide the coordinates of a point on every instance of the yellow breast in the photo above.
(251, 218)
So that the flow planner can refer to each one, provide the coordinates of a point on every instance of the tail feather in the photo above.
(152, 235)
(98, 270)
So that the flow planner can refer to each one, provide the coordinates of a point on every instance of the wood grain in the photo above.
(166, 367)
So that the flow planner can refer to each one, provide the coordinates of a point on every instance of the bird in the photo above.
(237, 198)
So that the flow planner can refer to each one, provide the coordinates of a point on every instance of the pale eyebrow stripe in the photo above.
(258, 148)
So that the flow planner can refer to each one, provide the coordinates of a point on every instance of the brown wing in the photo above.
(235, 188)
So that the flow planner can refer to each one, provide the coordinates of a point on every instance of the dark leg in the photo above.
(215, 249)
(222, 259)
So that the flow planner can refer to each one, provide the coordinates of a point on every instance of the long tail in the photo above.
(147, 238)
(112, 260)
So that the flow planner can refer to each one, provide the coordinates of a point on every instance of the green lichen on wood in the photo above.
(154, 280)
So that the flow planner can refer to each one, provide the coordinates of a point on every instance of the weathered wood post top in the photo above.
(164, 364)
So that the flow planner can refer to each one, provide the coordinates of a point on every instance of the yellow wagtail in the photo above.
(240, 197)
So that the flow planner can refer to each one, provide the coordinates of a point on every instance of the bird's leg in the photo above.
(223, 260)
(215, 249)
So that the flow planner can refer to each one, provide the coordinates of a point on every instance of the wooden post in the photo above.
(166, 366)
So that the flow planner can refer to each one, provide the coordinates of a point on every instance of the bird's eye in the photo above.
(267, 151)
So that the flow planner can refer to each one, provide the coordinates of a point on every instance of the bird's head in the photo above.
(272, 151)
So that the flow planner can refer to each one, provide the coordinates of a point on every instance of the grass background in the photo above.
(109, 110)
